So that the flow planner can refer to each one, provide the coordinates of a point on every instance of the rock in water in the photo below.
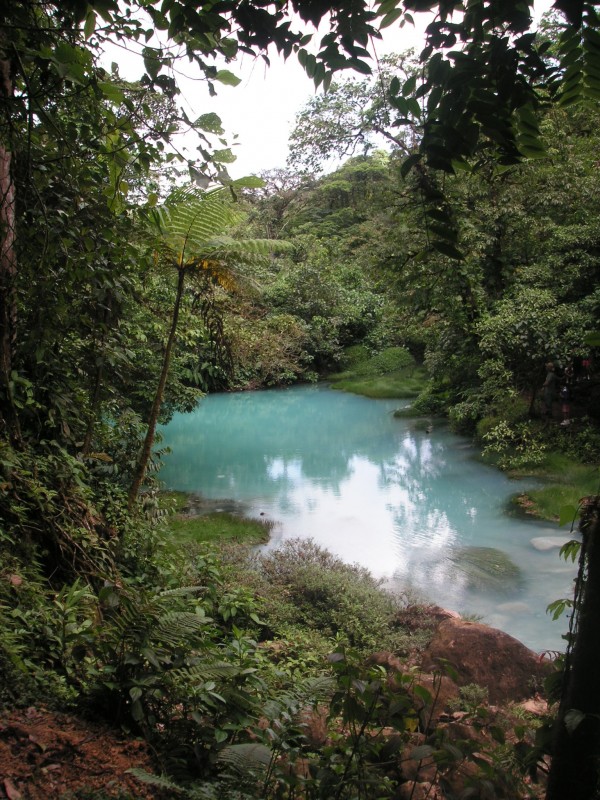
(549, 542)
(487, 569)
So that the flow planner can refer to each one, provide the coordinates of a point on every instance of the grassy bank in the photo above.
(392, 373)
(566, 481)
(188, 521)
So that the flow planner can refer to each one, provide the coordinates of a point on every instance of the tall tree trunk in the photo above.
(8, 262)
(576, 746)
(142, 464)
(94, 406)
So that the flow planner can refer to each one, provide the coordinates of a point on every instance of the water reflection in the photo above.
(374, 489)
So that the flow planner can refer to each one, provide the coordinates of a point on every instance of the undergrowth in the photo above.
(249, 675)
(388, 374)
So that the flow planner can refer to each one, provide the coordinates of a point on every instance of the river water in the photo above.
(413, 506)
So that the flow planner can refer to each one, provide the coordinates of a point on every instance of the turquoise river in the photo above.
(416, 507)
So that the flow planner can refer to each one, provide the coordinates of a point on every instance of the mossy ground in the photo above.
(181, 526)
(402, 384)
(566, 482)
(389, 374)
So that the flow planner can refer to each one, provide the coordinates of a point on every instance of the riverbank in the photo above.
(567, 483)
(567, 479)
(192, 518)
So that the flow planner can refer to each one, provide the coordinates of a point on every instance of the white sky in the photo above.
(261, 110)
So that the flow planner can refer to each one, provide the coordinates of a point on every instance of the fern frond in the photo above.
(246, 757)
(156, 780)
(305, 694)
(181, 591)
(186, 227)
(175, 626)
(203, 671)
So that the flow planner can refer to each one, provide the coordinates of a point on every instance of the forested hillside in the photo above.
(367, 269)
(459, 237)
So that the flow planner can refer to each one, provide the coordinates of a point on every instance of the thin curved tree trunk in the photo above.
(142, 464)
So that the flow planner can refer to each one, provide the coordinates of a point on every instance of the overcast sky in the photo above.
(261, 110)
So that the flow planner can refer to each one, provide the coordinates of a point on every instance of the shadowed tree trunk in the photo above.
(576, 746)
(8, 260)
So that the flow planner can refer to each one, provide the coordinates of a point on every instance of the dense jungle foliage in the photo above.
(131, 281)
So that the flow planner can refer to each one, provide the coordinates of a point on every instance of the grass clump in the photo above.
(390, 373)
(218, 526)
(183, 524)
(567, 482)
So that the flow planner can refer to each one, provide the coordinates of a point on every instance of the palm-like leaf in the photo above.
(190, 229)
(185, 227)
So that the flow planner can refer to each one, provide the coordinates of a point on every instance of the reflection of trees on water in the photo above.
(255, 438)
(429, 521)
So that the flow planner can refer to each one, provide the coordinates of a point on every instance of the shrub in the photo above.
(353, 356)
(580, 441)
(511, 410)
(392, 359)
(337, 599)
(430, 401)
(464, 416)
(515, 447)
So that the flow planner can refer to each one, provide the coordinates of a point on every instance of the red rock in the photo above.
(487, 657)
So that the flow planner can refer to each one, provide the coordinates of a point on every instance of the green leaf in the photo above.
(567, 514)
(334, 658)
(409, 163)
(498, 734)
(573, 718)
(423, 693)
(390, 18)
(458, 165)
(135, 693)
(137, 711)
(210, 123)
(228, 78)
(360, 66)
(447, 249)
(421, 752)
(90, 24)
(224, 156)
(152, 63)
(112, 92)
(249, 182)
(414, 107)
(570, 550)
(386, 6)
(592, 339)
(409, 86)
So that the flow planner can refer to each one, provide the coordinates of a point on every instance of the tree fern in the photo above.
(246, 757)
(188, 230)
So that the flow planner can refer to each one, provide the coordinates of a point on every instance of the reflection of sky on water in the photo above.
(374, 489)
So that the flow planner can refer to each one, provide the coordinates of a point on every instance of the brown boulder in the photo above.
(487, 657)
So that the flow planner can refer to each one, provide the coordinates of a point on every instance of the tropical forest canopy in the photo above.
(460, 233)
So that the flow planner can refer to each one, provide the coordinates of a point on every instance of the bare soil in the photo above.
(46, 754)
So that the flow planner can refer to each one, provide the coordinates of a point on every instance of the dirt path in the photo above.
(46, 754)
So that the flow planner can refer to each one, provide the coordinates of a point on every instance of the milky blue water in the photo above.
(375, 490)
